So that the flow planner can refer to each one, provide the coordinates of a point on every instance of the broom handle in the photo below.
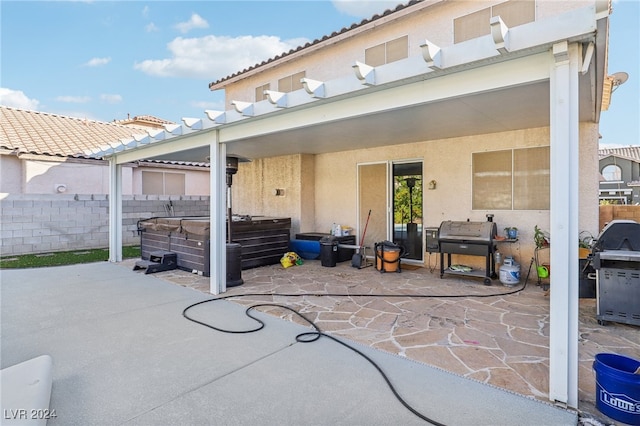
(365, 229)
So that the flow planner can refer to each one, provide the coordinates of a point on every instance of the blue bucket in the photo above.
(618, 387)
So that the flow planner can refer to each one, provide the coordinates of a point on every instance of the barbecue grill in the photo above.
(471, 239)
(616, 258)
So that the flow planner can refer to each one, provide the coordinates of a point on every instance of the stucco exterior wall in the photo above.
(10, 173)
(449, 162)
(42, 176)
(433, 20)
(255, 184)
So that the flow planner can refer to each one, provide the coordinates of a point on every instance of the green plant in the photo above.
(541, 238)
(63, 258)
(585, 240)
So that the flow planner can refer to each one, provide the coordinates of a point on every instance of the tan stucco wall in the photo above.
(10, 174)
(42, 176)
(35, 176)
(433, 23)
(446, 161)
(255, 183)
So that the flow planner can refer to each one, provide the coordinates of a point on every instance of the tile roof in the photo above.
(145, 120)
(50, 134)
(629, 152)
(317, 41)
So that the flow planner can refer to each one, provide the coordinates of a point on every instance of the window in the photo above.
(291, 82)
(161, 183)
(385, 53)
(471, 26)
(516, 179)
(612, 172)
(476, 24)
(260, 96)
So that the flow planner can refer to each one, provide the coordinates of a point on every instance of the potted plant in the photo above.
(585, 243)
(511, 232)
(540, 237)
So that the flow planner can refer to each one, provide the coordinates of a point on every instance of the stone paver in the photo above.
(501, 339)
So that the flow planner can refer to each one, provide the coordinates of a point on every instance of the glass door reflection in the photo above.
(407, 208)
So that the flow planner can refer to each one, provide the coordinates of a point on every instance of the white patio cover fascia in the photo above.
(546, 73)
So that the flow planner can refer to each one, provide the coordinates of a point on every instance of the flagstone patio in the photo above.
(494, 334)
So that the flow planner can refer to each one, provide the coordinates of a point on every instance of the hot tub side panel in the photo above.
(263, 241)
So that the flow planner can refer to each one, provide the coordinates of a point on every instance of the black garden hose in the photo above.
(312, 336)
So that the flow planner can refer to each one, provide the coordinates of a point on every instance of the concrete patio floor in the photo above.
(122, 353)
(491, 336)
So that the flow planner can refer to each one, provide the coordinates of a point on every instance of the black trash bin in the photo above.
(328, 251)
(234, 265)
(586, 285)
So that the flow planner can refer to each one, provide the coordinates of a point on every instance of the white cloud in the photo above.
(17, 99)
(151, 27)
(213, 57)
(97, 62)
(145, 12)
(111, 99)
(74, 99)
(196, 21)
(365, 8)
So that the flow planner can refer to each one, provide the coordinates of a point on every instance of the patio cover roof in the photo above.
(495, 83)
(546, 73)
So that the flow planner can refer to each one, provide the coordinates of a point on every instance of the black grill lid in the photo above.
(467, 231)
(619, 235)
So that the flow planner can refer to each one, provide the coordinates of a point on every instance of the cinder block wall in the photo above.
(33, 223)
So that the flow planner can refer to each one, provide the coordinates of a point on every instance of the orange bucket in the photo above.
(388, 259)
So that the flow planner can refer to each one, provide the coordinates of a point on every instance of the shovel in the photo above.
(358, 260)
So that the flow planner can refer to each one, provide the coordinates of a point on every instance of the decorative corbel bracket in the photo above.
(500, 34)
(365, 73)
(142, 139)
(193, 123)
(313, 87)
(244, 108)
(588, 55)
(432, 55)
(218, 117)
(279, 99)
(174, 129)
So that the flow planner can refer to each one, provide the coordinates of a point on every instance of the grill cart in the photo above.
(616, 259)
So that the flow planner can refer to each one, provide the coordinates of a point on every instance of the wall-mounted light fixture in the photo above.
(278, 192)
(60, 188)
(432, 184)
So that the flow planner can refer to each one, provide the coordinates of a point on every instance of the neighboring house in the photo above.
(481, 108)
(620, 170)
(43, 153)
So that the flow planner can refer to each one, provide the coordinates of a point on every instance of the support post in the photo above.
(563, 331)
(217, 216)
(115, 210)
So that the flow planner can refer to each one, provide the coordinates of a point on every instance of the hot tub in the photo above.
(263, 240)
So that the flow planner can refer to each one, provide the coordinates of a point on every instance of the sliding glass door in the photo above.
(407, 208)
(392, 191)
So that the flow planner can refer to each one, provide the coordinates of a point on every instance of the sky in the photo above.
(105, 60)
